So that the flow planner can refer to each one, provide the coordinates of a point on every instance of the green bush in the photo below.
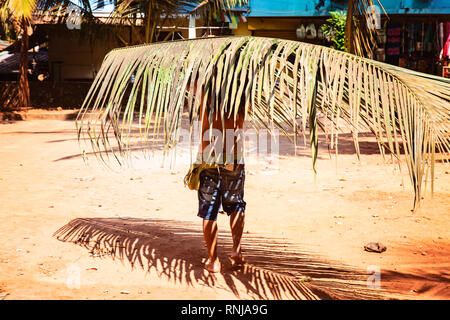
(334, 30)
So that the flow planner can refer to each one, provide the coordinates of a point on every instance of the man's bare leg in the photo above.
(237, 228)
(210, 231)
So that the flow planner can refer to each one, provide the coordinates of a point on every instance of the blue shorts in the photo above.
(221, 187)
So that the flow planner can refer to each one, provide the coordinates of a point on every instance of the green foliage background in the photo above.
(334, 31)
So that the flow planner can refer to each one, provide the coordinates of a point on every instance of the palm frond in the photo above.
(20, 8)
(273, 82)
(222, 4)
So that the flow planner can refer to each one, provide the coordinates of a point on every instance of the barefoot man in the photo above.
(223, 184)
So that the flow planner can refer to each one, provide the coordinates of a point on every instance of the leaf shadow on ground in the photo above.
(276, 268)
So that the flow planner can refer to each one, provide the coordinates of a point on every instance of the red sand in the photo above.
(303, 238)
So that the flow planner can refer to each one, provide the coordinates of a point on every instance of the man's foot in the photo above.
(212, 266)
(237, 259)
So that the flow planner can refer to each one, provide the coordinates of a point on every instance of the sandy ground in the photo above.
(75, 231)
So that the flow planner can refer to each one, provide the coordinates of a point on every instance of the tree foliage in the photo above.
(334, 30)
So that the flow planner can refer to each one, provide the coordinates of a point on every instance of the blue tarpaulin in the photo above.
(292, 8)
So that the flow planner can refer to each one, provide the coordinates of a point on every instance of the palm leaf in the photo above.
(20, 8)
(279, 81)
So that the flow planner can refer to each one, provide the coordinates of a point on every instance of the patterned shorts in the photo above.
(221, 187)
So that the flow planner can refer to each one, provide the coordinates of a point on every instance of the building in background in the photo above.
(415, 35)
(59, 53)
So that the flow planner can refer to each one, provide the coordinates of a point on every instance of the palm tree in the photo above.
(145, 88)
(152, 13)
(146, 13)
(18, 13)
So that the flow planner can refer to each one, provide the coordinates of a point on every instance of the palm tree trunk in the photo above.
(148, 24)
(24, 89)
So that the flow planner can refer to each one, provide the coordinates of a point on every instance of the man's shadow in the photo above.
(275, 269)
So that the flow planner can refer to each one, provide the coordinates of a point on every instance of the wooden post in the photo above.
(349, 27)
(24, 89)
(192, 31)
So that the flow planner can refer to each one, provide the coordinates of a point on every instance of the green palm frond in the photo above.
(20, 8)
(222, 4)
(280, 81)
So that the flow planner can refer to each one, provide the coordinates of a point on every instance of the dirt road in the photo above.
(75, 231)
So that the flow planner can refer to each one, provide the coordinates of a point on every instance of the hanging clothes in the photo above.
(393, 43)
(445, 52)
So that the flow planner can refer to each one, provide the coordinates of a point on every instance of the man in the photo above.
(222, 185)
